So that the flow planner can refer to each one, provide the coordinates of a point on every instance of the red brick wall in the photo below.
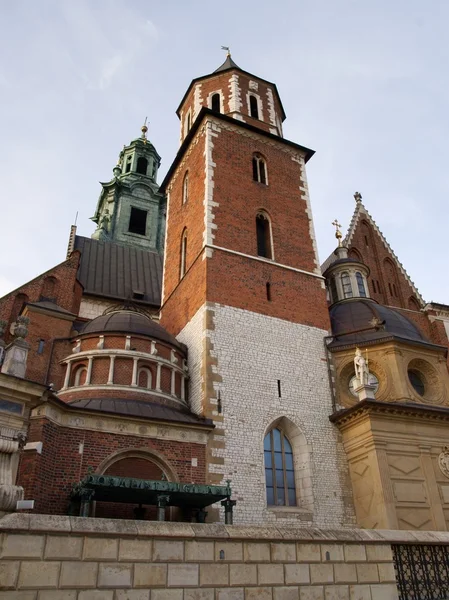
(220, 83)
(67, 290)
(48, 477)
(230, 279)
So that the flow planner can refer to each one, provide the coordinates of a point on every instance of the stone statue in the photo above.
(361, 368)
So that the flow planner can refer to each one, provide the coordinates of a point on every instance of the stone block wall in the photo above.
(72, 558)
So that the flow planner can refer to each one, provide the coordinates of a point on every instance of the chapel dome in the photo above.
(357, 314)
(131, 323)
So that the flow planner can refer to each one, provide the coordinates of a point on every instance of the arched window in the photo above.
(360, 285)
(183, 262)
(49, 288)
(259, 169)
(279, 472)
(129, 159)
(346, 285)
(144, 378)
(80, 376)
(253, 107)
(263, 232)
(185, 188)
(215, 102)
(142, 165)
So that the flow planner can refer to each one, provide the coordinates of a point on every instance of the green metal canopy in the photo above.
(108, 488)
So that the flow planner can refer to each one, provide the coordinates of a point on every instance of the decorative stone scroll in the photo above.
(443, 461)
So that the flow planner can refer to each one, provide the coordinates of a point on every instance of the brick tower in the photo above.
(243, 290)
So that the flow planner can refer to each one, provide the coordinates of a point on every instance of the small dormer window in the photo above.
(215, 102)
(142, 165)
(360, 285)
(253, 107)
(346, 285)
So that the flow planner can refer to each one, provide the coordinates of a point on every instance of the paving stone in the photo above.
(315, 592)
(35, 574)
(135, 550)
(9, 571)
(78, 574)
(115, 575)
(150, 575)
(17, 545)
(199, 594)
(183, 575)
(167, 594)
(63, 547)
(230, 594)
(258, 593)
(243, 574)
(286, 593)
(132, 594)
(297, 573)
(199, 551)
(270, 574)
(97, 548)
(214, 575)
(283, 553)
(336, 592)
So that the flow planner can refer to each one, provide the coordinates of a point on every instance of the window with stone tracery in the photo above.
(279, 471)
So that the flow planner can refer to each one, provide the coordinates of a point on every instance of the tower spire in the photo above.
(144, 130)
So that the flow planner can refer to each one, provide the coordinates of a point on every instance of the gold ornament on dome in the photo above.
(443, 461)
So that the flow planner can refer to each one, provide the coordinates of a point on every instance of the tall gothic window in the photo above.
(253, 107)
(259, 169)
(346, 285)
(263, 232)
(279, 472)
(185, 188)
(215, 102)
(182, 269)
(360, 285)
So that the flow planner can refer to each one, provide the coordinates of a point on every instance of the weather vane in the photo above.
(338, 233)
(144, 130)
(228, 50)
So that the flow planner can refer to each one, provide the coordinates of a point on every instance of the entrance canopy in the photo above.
(107, 488)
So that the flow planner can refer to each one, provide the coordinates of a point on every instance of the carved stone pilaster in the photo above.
(11, 441)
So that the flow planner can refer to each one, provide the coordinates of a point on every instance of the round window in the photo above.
(372, 381)
(417, 381)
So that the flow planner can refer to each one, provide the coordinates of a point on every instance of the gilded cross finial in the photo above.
(228, 50)
(358, 197)
(144, 130)
(338, 233)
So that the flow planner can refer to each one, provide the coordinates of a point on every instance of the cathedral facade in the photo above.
(193, 359)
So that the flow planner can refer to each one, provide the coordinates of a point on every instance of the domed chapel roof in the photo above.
(359, 314)
(131, 323)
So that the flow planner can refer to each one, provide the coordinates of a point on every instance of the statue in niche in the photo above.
(361, 368)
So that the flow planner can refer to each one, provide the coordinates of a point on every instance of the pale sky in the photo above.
(364, 83)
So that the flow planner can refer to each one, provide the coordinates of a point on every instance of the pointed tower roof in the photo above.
(228, 64)
(362, 213)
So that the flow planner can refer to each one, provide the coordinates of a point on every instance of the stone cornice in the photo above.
(119, 528)
(74, 418)
(374, 407)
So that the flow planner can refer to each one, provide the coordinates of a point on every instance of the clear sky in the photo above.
(364, 83)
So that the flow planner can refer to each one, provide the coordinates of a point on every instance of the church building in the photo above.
(193, 361)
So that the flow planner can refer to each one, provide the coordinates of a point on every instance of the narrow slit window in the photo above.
(395, 291)
(279, 388)
(215, 102)
(185, 188)
(259, 169)
(40, 347)
(263, 236)
(373, 285)
(253, 107)
(389, 287)
(268, 289)
(138, 221)
(183, 263)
